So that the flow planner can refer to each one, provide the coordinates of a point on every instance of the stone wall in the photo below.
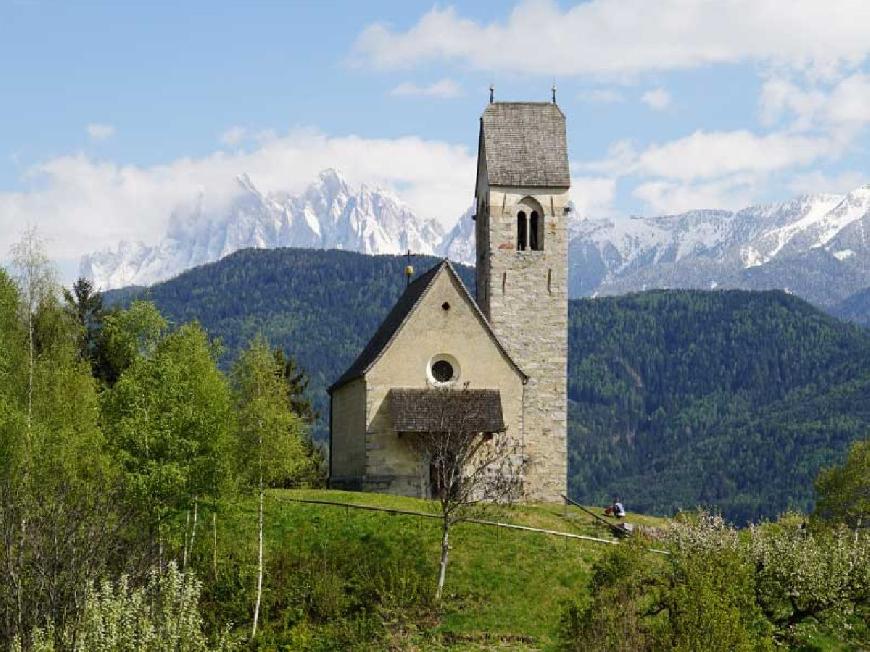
(525, 297)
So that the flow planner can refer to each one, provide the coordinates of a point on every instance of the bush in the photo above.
(700, 597)
(813, 581)
(721, 589)
(161, 616)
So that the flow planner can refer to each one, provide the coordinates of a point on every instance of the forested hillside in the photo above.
(677, 398)
(733, 399)
(855, 308)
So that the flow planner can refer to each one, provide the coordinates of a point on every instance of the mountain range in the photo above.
(815, 246)
(329, 214)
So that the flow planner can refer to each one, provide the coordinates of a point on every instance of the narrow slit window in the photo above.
(534, 232)
(522, 228)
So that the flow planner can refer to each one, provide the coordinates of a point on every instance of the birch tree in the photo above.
(168, 418)
(269, 436)
(471, 469)
(37, 281)
(59, 517)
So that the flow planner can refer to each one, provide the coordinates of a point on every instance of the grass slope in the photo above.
(504, 587)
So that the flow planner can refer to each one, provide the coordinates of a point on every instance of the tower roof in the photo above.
(524, 144)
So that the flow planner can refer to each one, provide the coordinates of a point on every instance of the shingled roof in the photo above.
(524, 144)
(446, 410)
(399, 315)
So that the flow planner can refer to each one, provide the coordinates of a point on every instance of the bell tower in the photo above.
(521, 199)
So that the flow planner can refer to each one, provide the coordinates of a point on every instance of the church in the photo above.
(506, 347)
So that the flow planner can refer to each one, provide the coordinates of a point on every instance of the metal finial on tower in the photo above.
(554, 91)
(409, 270)
(491, 93)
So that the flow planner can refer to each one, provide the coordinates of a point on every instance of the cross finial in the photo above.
(554, 91)
(491, 93)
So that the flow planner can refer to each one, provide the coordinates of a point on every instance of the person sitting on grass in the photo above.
(617, 509)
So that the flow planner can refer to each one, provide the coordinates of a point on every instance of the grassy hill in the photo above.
(676, 398)
(505, 589)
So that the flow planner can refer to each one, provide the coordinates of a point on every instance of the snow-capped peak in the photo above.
(328, 214)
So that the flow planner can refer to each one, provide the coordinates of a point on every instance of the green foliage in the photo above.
(844, 491)
(297, 386)
(720, 589)
(622, 587)
(85, 306)
(58, 521)
(126, 335)
(161, 616)
(169, 418)
(733, 399)
(312, 472)
(813, 579)
(269, 443)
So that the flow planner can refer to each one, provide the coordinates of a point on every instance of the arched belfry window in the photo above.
(522, 231)
(530, 225)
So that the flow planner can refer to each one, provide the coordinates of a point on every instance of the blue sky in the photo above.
(114, 114)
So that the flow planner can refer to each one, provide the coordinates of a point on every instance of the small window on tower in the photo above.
(522, 231)
(535, 239)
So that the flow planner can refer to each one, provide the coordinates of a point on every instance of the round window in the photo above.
(442, 371)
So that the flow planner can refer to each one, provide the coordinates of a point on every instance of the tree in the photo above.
(296, 381)
(269, 435)
(36, 282)
(473, 462)
(60, 518)
(125, 336)
(86, 307)
(844, 491)
(168, 418)
(297, 386)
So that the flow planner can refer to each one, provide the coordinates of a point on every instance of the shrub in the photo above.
(161, 616)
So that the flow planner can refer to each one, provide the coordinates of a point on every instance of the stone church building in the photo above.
(507, 347)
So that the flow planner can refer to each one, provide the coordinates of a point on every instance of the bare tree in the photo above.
(473, 461)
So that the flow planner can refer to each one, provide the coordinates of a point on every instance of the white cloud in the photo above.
(630, 36)
(710, 154)
(721, 169)
(593, 196)
(844, 104)
(444, 89)
(817, 181)
(667, 196)
(233, 136)
(81, 204)
(601, 96)
(658, 99)
(98, 131)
